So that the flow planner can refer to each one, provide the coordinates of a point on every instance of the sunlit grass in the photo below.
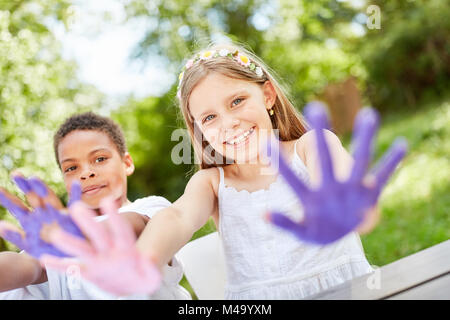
(415, 204)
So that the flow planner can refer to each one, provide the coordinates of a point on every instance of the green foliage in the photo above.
(415, 204)
(38, 90)
(408, 59)
(289, 36)
(148, 125)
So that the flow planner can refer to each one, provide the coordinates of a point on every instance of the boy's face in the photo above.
(91, 158)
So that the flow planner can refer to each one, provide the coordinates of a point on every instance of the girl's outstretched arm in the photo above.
(111, 259)
(171, 228)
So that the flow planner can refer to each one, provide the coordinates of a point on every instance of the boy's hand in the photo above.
(110, 259)
(46, 213)
(335, 208)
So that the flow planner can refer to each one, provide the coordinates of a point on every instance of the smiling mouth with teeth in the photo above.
(240, 138)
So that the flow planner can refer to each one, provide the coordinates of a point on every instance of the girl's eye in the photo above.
(208, 118)
(70, 169)
(237, 101)
(100, 159)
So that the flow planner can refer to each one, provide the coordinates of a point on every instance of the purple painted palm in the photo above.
(335, 208)
(33, 222)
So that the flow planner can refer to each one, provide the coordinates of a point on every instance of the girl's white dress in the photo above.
(266, 262)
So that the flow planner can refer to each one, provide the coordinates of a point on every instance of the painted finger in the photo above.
(71, 245)
(75, 193)
(278, 163)
(38, 187)
(13, 205)
(24, 185)
(121, 231)
(316, 115)
(366, 124)
(64, 221)
(21, 182)
(44, 193)
(13, 234)
(7, 226)
(95, 231)
(286, 223)
(389, 161)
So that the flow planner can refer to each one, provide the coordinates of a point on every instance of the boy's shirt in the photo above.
(70, 286)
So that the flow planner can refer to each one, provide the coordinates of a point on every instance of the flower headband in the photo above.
(206, 55)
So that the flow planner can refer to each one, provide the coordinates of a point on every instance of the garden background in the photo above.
(396, 53)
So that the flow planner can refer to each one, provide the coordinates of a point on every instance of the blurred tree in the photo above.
(38, 90)
(408, 59)
(298, 39)
(148, 125)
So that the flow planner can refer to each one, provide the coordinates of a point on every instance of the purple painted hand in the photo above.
(33, 222)
(336, 208)
(110, 259)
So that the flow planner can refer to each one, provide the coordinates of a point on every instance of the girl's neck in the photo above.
(247, 171)
(260, 167)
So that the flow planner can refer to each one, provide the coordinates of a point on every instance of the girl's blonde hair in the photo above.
(286, 118)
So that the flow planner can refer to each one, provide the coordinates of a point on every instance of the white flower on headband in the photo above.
(206, 55)
(242, 59)
(258, 71)
(223, 52)
(189, 63)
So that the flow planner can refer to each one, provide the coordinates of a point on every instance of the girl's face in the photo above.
(232, 115)
(92, 159)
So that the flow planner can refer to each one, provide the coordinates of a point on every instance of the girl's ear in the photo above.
(270, 95)
(129, 165)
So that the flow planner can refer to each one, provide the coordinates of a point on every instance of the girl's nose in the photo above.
(231, 122)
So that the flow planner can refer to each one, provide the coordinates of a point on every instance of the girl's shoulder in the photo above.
(210, 177)
(307, 142)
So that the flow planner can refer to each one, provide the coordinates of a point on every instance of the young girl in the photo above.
(229, 99)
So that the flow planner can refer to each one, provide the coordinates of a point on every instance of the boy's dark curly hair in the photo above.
(90, 121)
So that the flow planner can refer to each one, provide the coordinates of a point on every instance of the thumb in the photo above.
(282, 221)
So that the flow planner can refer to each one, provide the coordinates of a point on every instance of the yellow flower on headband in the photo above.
(206, 55)
(243, 60)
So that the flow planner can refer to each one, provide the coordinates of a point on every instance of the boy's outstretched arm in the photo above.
(171, 228)
(19, 270)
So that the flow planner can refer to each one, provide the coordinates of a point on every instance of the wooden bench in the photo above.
(424, 275)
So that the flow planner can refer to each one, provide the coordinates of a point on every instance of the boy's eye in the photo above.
(100, 159)
(237, 101)
(70, 169)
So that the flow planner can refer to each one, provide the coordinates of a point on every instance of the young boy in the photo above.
(91, 150)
